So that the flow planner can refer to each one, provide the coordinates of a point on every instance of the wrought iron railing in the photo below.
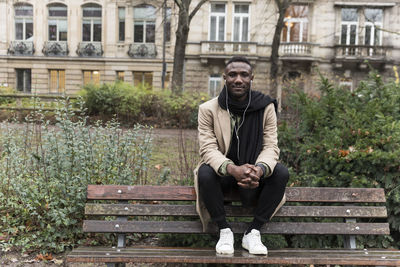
(147, 50)
(90, 49)
(54, 48)
(21, 48)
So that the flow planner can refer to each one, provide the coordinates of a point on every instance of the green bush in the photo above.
(347, 139)
(44, 171)
(6, 90)
(142, 105)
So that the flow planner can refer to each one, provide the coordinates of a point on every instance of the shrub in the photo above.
(347, 139)
(44, 171)
(142, 105)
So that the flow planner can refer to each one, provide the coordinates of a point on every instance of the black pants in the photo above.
(265, 198)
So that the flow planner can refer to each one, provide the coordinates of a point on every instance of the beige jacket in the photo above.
(214, 129)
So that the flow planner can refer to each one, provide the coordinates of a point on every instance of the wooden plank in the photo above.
(280, 256)
(98, 226)
(236, 211)
(187, 193)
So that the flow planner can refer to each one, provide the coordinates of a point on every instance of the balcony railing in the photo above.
(228, 48)
(90, 49)
(297, 49)
(147, 50)
(53, 48)
(362, 51)
(21, 48)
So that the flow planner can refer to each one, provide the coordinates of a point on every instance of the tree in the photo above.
(182, 33)
(282, 7)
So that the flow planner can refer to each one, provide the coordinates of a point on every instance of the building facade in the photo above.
(57, 46)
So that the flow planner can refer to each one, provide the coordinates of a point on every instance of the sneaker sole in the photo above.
(247, 248)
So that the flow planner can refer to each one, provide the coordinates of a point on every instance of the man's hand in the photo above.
(246, 175)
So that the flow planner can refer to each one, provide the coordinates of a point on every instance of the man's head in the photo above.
(238, 76)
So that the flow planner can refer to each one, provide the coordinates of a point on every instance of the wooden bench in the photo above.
(353, 209)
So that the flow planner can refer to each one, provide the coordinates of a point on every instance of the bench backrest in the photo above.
(302, 202)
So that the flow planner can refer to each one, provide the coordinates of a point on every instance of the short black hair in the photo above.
(239, 59)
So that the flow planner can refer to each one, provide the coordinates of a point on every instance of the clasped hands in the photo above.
(246, 175)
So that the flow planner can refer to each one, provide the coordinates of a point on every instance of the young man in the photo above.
(239, 151)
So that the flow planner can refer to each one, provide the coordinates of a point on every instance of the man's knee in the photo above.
(206, 175)
(280, 174)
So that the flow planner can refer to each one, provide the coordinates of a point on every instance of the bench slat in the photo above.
(192, 255)
(99, 226)
(187, 193)
(236, 211)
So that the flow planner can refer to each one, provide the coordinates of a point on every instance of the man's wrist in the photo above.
(223, 168)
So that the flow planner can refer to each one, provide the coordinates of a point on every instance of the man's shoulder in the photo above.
(210, 104)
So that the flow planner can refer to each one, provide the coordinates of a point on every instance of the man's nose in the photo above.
(238, 79)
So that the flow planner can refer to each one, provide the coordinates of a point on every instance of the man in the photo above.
(239, 151)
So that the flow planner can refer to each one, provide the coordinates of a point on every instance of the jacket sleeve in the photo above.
(270, 151)
(209, 150)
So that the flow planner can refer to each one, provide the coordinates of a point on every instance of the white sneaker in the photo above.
(252, 242)
(225, 242)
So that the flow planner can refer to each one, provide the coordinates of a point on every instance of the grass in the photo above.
(173, 159)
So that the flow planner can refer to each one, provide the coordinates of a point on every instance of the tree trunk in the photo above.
(182, 33)
(282, 7)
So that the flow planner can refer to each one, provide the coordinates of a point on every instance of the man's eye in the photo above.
(232, 75)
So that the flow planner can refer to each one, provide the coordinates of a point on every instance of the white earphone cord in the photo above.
(240, 125)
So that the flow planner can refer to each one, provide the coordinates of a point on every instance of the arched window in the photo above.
(91, 23)
(23, 17)
(58, 23)
(144, 24)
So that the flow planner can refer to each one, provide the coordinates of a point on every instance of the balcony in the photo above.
(356, 55)
(223, 49)
(147, 50)
(90, 49)
(21, 48)
(362, 52)
(53, 48)
(296, 50)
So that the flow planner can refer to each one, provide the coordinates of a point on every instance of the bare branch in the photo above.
(179, 3)
(194, 11)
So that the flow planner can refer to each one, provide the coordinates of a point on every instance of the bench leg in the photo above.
(350, 240)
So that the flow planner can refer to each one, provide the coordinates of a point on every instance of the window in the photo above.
(214, 85)
(120, 76)
(23, 22)
(121, 24)
(295, 28)
(91, 24)
(143, 79)
(144, 24)
(373, 22)
(241, 23)
(91, 76)
(349, 34)
(346, 83)
(217, 22)
(23, 80)
(58, 24)
(57, 81)
(168, 25)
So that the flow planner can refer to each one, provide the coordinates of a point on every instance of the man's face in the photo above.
(238, 76)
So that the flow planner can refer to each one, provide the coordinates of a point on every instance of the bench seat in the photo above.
(370, 257)
(170, 209)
